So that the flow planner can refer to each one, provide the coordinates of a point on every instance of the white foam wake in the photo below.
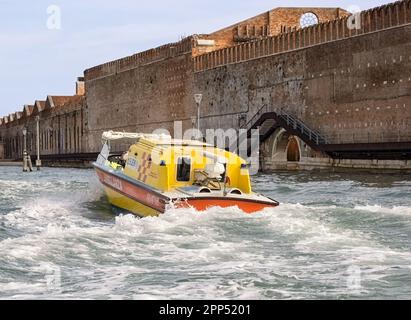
(395, 210)
(223, 253)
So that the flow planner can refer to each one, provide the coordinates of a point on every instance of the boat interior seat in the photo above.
(235, 191)
(195, 189)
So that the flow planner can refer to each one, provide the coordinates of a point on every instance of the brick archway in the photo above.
(293, 150)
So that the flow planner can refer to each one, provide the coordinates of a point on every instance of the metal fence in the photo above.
(368, 137)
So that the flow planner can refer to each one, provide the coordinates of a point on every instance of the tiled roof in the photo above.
(40, 105)
(60, 100)
(74, 101)
(18, 115)
(28, 110)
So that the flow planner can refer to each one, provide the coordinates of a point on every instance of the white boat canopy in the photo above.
(112, 135)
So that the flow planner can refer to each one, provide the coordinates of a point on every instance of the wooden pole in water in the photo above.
(38, 161)
(25, 169)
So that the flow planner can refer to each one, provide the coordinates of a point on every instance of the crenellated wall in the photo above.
(270, 23)
(373, 20)
(143, 58)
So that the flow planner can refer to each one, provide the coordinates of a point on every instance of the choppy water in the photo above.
(335, 236)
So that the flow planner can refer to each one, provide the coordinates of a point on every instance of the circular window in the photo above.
(308, 19)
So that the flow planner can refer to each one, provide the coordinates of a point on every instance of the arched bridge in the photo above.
(268, 122)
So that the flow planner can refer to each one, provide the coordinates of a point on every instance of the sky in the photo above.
(40, 57)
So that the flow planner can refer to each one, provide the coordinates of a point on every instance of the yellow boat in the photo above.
(158, 171)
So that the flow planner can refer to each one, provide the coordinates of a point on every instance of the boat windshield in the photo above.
(183, 169)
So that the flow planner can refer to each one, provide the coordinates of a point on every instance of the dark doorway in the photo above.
(293, 150)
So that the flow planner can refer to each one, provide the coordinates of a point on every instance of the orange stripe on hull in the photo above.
(139, 194)
(246, 206)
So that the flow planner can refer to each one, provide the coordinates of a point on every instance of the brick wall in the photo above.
(349, 84)
(354, 90)
(373, 20)
(143, 98)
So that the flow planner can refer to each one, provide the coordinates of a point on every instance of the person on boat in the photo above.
(124, 156)
(116, 166)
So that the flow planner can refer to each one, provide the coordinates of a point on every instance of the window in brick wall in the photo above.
(308, 19)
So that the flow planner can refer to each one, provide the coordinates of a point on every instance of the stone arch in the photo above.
(278, 142)
(293, 150)
(284, 147)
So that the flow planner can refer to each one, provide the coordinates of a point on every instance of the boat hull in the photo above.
(137, 198)
(246, 205)
(129, 205)
(131, 196)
